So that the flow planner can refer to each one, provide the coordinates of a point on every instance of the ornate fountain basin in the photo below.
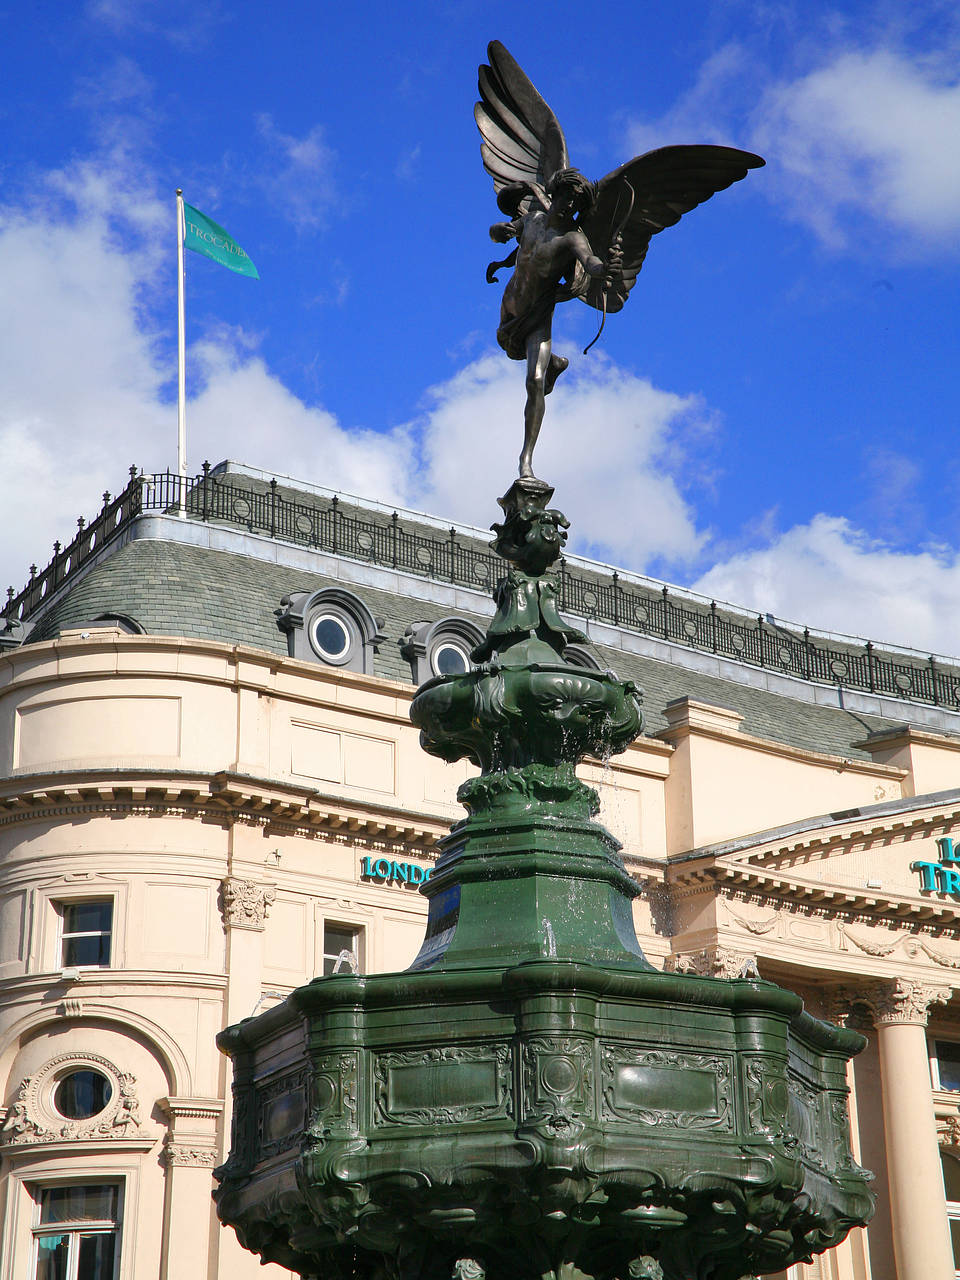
(548, 1118)
(506, 717)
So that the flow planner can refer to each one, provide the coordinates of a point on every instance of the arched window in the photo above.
(440, 648)
(331, 626)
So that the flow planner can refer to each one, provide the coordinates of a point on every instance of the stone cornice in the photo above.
(93, 984)
(227, 795)
(911, 817)
(192, 1108)
(775, 887)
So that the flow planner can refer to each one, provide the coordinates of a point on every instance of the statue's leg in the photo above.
(538, 361)
(554, 369)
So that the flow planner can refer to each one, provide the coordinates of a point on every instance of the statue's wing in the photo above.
(642, 197)
(522, 140)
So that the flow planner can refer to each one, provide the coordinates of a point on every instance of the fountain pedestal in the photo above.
(532, 1099)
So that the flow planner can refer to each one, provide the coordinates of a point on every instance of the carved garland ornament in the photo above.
(33, 1117)
(192, 1157)
(246, 904)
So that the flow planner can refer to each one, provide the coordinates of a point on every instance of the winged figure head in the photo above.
(575, 238)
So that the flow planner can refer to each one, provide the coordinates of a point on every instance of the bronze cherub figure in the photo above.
(575, 238)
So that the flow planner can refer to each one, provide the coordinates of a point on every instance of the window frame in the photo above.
(936, 1080)
(953, 1207)
(75, 1228)
(358, 934)
(458, 646)
(60, 905)
(351, 631)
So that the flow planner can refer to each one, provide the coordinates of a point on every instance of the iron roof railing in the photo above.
(332, 526)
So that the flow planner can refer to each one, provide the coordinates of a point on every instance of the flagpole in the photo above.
(181, 361)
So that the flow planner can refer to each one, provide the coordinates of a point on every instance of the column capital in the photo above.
(903, 1002)
(715, 962)
(244, 903)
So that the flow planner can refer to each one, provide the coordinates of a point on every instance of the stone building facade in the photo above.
(210, 791)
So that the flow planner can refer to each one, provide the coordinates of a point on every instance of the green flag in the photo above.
(203, 235)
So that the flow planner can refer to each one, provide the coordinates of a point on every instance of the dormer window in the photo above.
(331, 626)
(440, 648)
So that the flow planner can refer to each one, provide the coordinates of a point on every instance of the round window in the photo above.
(82, 1094)
(331, 638)
(449, 659)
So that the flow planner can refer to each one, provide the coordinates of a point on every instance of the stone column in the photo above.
(246, 905)
(190, 1154)
(918, 1211)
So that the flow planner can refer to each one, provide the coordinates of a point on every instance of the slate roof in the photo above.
(176, 589)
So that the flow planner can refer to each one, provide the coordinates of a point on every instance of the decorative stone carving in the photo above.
(245, 903)
(33, 1117)
(715, 962)
(870, 948)
(192, 1157)
(948, 1132)
(904, 1002)
(942, 958)
(755, 926)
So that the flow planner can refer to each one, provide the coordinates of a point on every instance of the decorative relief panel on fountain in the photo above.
(558, 1083)
(335, 1096)
(465, 1083)
(666, 1087)
(282, 1108)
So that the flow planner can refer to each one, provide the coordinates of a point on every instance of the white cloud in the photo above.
(703, 112)
(81, 384)
(246, 413)
(604, 446)
(299, 174)
(831, 575)
(86, 393)
(867, 132)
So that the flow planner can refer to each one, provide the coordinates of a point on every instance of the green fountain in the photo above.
(532, 1099)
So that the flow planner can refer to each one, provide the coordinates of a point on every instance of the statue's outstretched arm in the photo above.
(585, 255)
(494, 267)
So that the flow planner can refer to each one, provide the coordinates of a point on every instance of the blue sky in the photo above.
(773, 418)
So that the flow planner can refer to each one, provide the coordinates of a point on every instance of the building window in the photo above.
(332, 626)
(85, 932)
(331, 637)
(440, 648)
(76, 1235)
(450, 658)
(951, 1186)
(81, 1095)
(342, 948)
(946, 1065)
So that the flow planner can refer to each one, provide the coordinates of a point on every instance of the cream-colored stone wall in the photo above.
(225, 799)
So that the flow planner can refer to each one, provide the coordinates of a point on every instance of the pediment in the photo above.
(882, 859)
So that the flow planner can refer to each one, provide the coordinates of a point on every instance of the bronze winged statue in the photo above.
(575, 238)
